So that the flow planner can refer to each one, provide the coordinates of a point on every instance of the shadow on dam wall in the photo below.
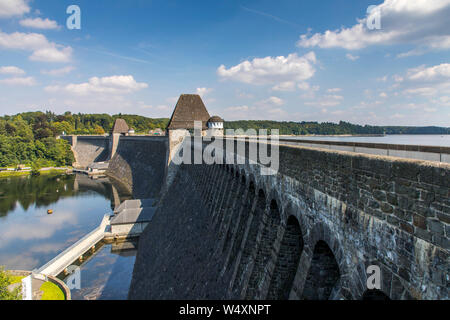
(308, 232)
(140, 164)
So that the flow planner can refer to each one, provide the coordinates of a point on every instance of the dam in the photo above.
(310, 230)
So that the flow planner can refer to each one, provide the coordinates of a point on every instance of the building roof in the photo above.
(215, 119)
(189, 108)
(120, 126)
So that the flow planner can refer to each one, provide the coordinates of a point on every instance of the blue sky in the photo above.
(280, 60)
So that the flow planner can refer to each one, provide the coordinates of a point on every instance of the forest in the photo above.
(31, 137)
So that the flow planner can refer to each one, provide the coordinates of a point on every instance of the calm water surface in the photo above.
(425, 140)
(29, 237)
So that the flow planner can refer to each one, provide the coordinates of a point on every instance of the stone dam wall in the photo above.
(88, 149)
(139, 164)
(308, 232)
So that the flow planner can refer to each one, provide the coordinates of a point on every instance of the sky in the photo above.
(366, 62)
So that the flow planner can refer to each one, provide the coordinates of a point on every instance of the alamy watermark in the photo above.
(231, 148)
(373, 21)
(74, 20)
(73, 280)
(374, 277)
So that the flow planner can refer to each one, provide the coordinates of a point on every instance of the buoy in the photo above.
(49, 211)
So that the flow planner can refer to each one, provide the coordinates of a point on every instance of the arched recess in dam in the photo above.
(287, 261)
(250, 241)
(237, 204)
(271, 224)
(243, 220)
(323, 273)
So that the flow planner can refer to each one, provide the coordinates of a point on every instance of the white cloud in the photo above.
(39, 23)
(272, 101)
(11, 70)
(285, 86)
(383, 95)
(19, 81)
(238, 108)
(326, 101)
(334, 90)
(351, 57)
(424, 91)
(105, 85)
(271, 70)
(203, 91)
(420, 22)
(41, 48)
(303, 86)
(431, 73)
(58, 72)
(11, 8)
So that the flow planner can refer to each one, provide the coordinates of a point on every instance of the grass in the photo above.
(51, 292)
(7, 174)
(15, 279)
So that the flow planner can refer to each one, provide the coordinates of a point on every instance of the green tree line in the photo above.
(30, 137)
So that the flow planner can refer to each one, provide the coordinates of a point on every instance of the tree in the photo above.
(5, 281)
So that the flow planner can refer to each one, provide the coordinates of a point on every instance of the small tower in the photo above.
(215, 125)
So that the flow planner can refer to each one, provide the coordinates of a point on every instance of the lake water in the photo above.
(29, 237)
(425, 140)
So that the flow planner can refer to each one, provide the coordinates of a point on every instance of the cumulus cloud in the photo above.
(334, 90)
(19, 81)
(39, 23)
(431, 73)
(271, 70)
(351, 57)
(58, 72)
(272, 101)
(419, 22)
(11, 70)
(11, 8)
(285, 86)
(38, 44)
(326, 101)
(104, 85)
(203, 91)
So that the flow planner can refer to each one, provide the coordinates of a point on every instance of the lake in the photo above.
(29, 237)
(425, 140)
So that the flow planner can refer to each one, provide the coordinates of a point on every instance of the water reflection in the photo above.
(107, 274)
(29, 237)
(42, 191)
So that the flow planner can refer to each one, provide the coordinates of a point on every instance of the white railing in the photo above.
(68, 256)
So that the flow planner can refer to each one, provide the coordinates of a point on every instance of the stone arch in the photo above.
(252, 234)
(287, 261)
(323, 273)
(271, 224)
(243, 178)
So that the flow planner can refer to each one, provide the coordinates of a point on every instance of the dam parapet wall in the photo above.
(310, 231)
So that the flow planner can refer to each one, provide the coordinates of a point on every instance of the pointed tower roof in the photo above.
(120, 126)
(189, 108)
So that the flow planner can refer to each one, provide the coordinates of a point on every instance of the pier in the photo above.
(128, 221)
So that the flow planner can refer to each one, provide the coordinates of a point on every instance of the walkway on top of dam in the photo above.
(417, 152)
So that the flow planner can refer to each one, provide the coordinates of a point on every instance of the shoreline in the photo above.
(43, 171)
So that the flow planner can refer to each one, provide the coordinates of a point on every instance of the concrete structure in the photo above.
(132, 217)
(215, 126)
(129, 221)
(308, 232)
(38, 280)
